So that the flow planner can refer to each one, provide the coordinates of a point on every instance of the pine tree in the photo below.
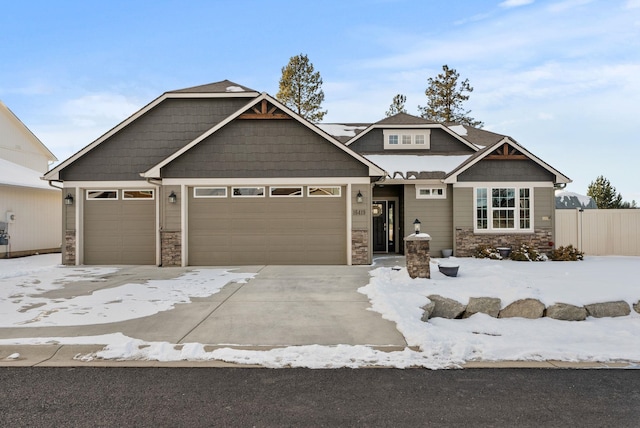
(397, 105)
(445, 96)
(300, 88)
(604, 194)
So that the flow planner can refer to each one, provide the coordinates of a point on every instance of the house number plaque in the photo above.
(359, 212)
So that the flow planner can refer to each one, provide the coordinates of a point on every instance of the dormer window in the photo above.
(416, 139)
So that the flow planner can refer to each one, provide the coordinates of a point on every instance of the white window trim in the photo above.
(339, 195)
(271, 195)
(516, 221)
(233, 195)
(196, 196)
(153, 195)
(401, 133)
(102, 199)
(431, 196)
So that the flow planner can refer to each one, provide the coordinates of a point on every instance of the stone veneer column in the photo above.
(69, 248)
(360, 247)
(416, 250)
(171, 248)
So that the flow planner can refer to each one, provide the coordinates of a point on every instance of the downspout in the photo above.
(159, 215)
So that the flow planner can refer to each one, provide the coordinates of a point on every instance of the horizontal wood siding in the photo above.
(38, 216)
(543, 208)
(463, 207)
(435, 216)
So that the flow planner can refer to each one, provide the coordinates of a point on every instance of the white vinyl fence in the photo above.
(600, 232)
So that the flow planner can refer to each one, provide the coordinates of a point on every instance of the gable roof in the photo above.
(12, 174)
(407, 121)
(35, 141)
(211, 90)
(374, 170)
(452, 177)
(477, 136)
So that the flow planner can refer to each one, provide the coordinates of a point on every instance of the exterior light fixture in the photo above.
(416, 226)
(68, 200)
(359, 197)
(173, 198)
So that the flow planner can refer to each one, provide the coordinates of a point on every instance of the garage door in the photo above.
(267, 225)
(119, 227)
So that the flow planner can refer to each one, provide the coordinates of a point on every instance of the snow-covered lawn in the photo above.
(440, 343)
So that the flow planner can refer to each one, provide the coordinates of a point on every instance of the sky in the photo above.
(561, 77)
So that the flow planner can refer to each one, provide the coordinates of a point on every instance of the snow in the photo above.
(338, 130)
(404, 163)
(234, 89)
(566, 196)
(439, 343)
(17, 175)
(459, 129)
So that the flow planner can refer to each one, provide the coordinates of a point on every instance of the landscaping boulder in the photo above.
(486, 305)
(523, 308)
(636, 306)
(566, 312)
(446, 308)
(608, 309)
(428, 310)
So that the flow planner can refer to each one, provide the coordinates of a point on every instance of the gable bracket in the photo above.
(264, 111)
(506, 152)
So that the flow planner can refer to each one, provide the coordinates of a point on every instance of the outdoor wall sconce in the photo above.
(416, 226)
(68, 200)
(173, 198)
(359, 197)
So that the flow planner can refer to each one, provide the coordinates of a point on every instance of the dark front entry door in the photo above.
(383, 226)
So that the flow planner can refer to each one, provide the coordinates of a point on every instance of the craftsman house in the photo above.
(221, 174)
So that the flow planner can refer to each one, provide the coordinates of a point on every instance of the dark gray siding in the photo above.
(151, 138)
(441, 143)
(265, 148)
(506, 170)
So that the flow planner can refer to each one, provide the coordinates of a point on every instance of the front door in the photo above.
(383, 226)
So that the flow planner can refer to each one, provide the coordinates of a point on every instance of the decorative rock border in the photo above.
(442, 307)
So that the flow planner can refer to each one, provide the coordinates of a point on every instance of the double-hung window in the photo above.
(499, 209)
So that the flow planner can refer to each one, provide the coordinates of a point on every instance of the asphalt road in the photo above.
(193, 397)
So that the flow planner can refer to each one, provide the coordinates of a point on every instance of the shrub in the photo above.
(567, 253)
(487, 252)
(527, 254)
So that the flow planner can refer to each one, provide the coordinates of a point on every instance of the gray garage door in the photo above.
(119, 230)
(293, 229)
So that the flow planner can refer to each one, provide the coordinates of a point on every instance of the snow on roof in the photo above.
(565, 199)
(12, 174)
(425, 163)
(459, 129)
(338, 130)
(234, 89)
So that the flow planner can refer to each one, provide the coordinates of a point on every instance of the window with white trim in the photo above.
(102, 194)
(431, 192)
(137, 194)
(285, 192)
(418, 139)
(247, 192)
(503, 208)
(327, 192)
(209, 192)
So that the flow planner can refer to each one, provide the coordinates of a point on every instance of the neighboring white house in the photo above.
(30, 209)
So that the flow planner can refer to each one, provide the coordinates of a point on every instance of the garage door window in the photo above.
(331, 192)
(248, 192)
(286, 192)
(137, 194)
(209, 192)
(102, 194)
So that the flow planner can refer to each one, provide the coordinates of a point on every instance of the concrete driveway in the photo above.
(281, 306)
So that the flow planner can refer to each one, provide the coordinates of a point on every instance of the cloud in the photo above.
(565, 5)
(515, 3)
(632, 4)
(97, 108)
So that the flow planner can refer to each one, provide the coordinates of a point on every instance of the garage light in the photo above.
(416, 226)
(68, 200)
(173, 198)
